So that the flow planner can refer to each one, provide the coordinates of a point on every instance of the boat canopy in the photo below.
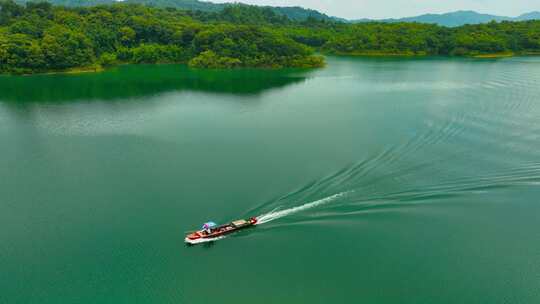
(209, 225)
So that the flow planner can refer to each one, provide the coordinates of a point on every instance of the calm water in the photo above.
(380, 181)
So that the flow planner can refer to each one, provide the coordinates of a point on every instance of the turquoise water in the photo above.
(379, 180)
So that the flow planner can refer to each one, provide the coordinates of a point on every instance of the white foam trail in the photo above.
(274, 215)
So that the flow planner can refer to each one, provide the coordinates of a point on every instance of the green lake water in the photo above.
(379, 181)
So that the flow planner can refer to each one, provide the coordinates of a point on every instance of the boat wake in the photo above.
(276, 213)
(367, 193)
(358, 192)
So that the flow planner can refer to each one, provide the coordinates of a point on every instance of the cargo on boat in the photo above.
(211, 231)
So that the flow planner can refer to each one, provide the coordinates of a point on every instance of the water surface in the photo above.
(380, 181)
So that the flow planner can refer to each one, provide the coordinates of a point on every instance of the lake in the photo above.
(380, 180)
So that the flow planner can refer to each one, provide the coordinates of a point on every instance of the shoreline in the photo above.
(413, 55)
(495, 55)
(379, 54)
(73, 71)
(99, 68)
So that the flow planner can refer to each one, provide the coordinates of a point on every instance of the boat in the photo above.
(210, 231)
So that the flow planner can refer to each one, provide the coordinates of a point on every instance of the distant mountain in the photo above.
(181, 4)
(297, 13)
(454, 18)
(529, 16)
(457, 18)
(294, 13)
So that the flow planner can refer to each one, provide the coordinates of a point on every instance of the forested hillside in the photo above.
(425, 39)
(294, 13)
(39, 37)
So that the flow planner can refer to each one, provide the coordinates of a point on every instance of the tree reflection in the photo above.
(143, 80)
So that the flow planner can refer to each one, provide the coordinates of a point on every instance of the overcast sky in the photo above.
(355, 9)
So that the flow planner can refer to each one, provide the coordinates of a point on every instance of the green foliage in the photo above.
(127, 36)
(64, 48)
(299, 62)
(9, 10)
(209, 59)
(251, 13)
(427, 39)
(39, 37)
(382, 38)
(251, 46)
(107, 59)
(246, 14)
(20, 54)
(155, 53)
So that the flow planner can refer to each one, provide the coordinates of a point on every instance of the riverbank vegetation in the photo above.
(39, 37)
(42, 38)
(416, 39)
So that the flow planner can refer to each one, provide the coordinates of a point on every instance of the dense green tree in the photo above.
(155, 53)
(9, 10)
(19, 53)
(127, 36)
(107, 59)
(209, 59)
(64, 48)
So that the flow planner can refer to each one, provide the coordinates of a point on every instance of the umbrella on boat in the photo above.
(209, 225)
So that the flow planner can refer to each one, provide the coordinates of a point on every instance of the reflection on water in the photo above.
(143, 80)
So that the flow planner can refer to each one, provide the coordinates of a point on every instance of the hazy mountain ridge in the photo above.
(529, 16)
(457, 18)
